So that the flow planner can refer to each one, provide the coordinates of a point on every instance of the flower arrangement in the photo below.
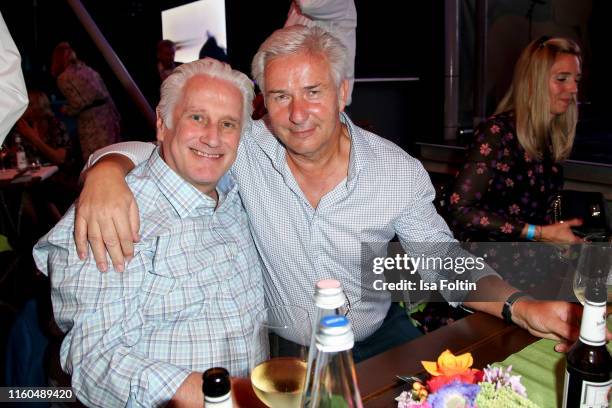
(455, 384)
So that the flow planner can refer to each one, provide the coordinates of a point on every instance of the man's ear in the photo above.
(160, 126)
(343, 94)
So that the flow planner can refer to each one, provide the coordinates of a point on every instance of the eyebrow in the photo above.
(567, 73)
(308, 87)
(191, 110)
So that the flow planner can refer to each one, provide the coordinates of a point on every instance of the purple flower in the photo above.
(455, 394)
(500, 377)
(404, 400)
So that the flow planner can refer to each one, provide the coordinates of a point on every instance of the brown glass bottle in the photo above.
(588, 373)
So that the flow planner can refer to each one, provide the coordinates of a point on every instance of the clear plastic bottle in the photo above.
(330, 300)
(334, 382)
(21, 160)
(217, 388)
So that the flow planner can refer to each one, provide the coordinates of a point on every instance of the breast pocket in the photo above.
(184, 279)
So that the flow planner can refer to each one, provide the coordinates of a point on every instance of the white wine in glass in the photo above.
(278, 355)
(594, 268)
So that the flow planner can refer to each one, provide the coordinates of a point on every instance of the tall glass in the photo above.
(279, 355)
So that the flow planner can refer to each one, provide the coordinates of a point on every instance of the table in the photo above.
(13, 184)
(9, 176)
(489, 339)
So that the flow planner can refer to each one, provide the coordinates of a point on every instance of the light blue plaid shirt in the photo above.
(386, 193)
(185, 303)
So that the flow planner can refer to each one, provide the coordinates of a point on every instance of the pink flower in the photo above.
(509, 182)
(484, 221)
(507, 228)
(514, 209)
(485, 149)
(503, 167)
(495, 129)
(454, 199)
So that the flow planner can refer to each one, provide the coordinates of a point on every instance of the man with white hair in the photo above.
(188, 298)
(316, 187)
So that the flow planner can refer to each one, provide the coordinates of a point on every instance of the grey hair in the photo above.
(173, 86)
(298, 38)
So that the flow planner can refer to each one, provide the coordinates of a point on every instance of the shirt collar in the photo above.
(359, 155)
(184, 197)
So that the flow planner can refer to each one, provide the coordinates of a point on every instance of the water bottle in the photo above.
(329, 299)
(334, 383)
(21, 159)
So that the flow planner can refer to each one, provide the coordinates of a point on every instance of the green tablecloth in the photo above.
(541, 370)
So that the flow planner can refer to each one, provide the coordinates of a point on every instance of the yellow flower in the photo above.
(448, 364)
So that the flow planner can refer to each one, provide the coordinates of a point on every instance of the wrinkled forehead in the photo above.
(206, 93)
(278, 68)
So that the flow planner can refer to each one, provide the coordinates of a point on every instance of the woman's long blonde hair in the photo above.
(528, 98)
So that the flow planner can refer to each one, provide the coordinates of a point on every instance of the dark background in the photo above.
(394, 39)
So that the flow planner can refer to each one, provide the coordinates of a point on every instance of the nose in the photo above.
(211, 135)
(573, 86)
(298, 112)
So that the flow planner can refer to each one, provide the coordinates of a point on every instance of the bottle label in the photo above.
(592, 394)
(593, 325)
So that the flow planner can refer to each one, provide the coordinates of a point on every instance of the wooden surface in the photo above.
(488, 339)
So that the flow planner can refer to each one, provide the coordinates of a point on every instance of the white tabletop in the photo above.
(43, 173)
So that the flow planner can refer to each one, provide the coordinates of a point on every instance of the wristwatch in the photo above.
(507, 309)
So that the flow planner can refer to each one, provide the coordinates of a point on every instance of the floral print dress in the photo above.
(501, 188)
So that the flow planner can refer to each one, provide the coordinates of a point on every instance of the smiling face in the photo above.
(563, 83)
(303, 103)
(202, 145)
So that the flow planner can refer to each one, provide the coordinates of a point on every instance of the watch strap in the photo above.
(507, 309)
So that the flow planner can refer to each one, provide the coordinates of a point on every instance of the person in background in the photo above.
(188, 299)
(46, 136)
(513, 172)
(211, 49)
(338, 17)
(166, 51)
(45, 139)
(87, 99)
(13, 96)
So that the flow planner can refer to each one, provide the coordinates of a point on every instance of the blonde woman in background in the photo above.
(513, 170)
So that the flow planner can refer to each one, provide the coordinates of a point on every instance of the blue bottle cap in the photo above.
(334, 321)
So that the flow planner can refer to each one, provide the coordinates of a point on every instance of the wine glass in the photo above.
(594, 267)
(279, 355)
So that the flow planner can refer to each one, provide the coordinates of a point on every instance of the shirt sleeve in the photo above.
(468, 199)
(324, 9)
(102, 315)
(13, 94)
(422, 231)
(137, 152)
